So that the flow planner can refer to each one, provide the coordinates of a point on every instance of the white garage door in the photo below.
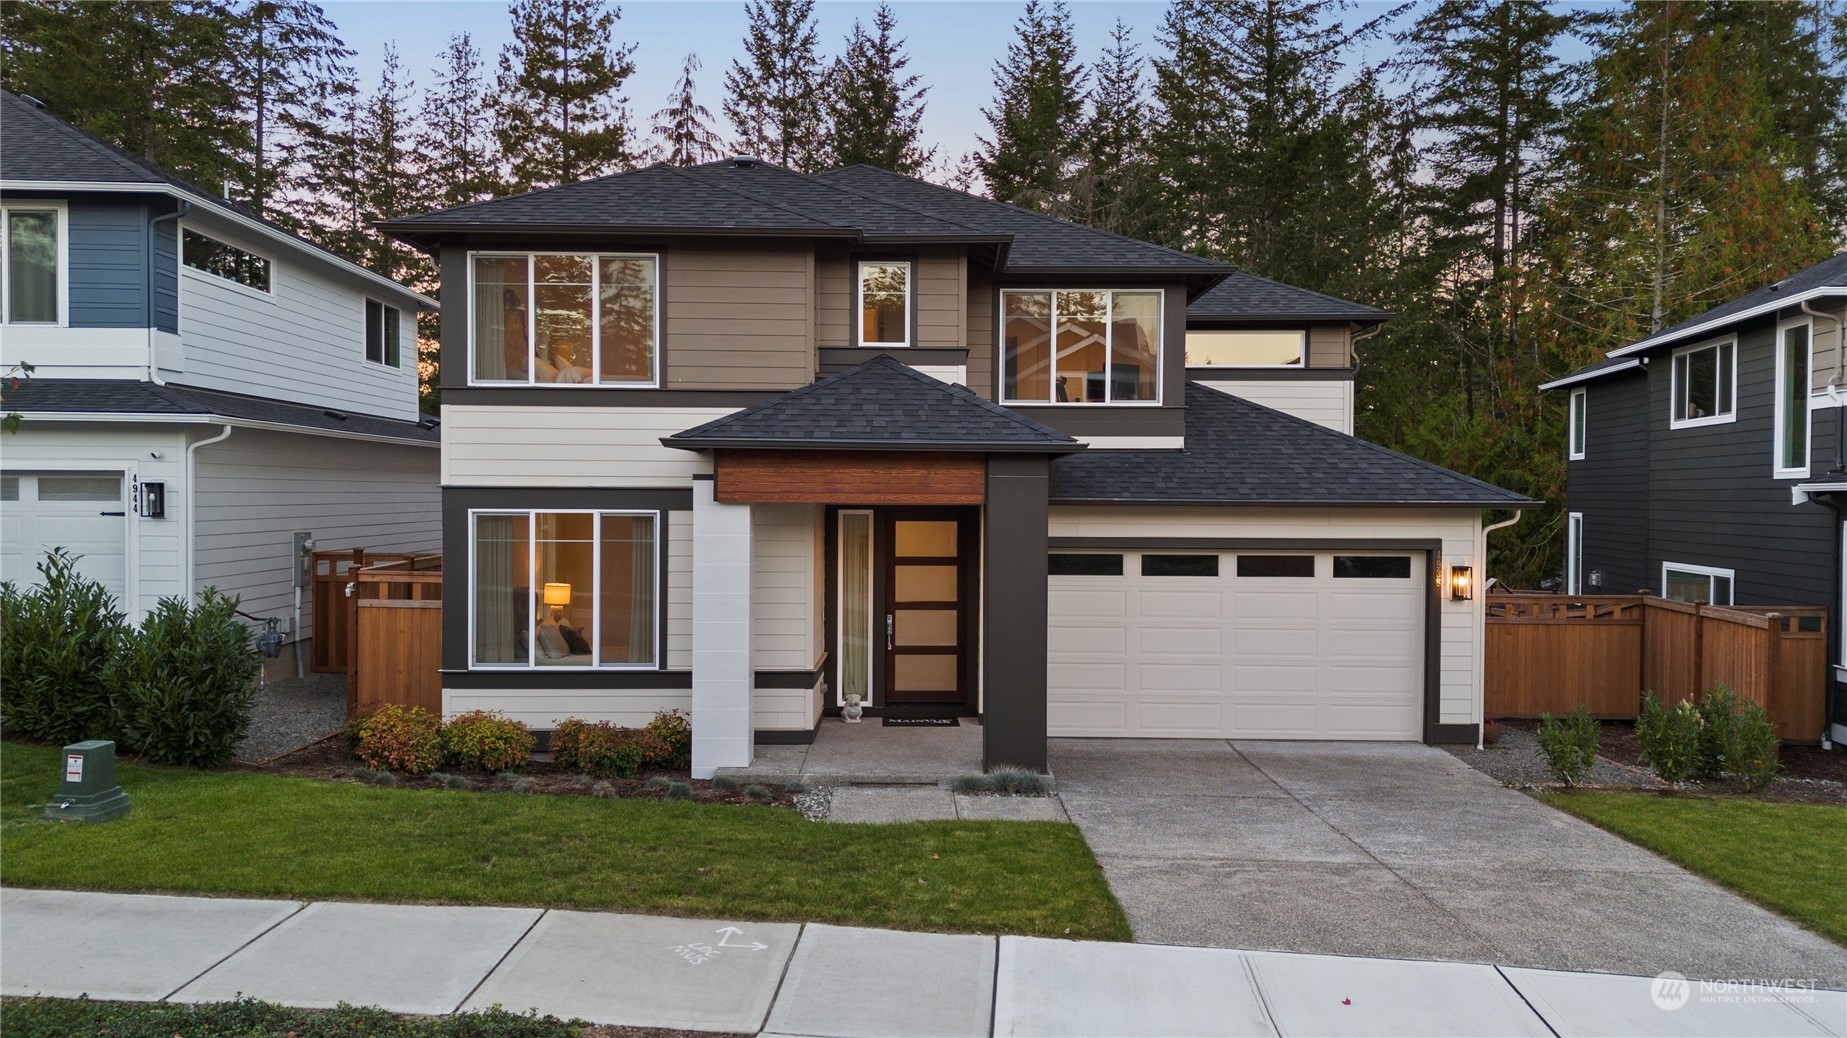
(1252, 645)
(79, 511)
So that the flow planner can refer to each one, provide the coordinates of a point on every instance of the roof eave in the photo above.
(1589, 376)
(1709, 327)
(990, 447)
(1058, 499)
(1198, 320)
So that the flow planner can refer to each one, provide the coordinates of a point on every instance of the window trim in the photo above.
(1730, 575)
(385, 359)
(1576, 436)
(1778, 469)
(596, 596)
(1574, 554)
(1298, 365)
(61, 211)
(596, 325)
(1674, 420)
(859, 302)
(179, 257)
(1160, 345)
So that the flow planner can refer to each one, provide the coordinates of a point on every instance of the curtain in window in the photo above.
(32, 266)
(628, 589)
(500, 318)
(500, 588)
(856, 605)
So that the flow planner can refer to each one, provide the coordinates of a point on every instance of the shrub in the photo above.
(1018, 782)
(401, 738)
(372, 777)
(1670, 739)
(56, 640)
(1569, 744)
(602, 790)
(1717, 708)
(657, 782)
(516, 782)
(679, 790)
(725, 783)
(355, 728)
(452, 781)
(181, 684)
(756, 792)
(667, 741)
(1751, 748)
(600, 749)
(792, 788)
(487, 741)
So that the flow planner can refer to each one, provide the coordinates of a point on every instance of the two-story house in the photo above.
(1705, 462)
(206, 388)
(746, 442)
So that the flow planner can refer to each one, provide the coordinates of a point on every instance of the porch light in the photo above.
(1461, 583)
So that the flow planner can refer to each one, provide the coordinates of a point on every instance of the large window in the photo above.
(30, 250)
(1580, 424)
(1792, 401)
(1089, 346)
(565, 589)
(384, 326)
(1246, 349)
(884, 303)
(222, 260)
(1687, 583)
(1705, 384)
(555, 319)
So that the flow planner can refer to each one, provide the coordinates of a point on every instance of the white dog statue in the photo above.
(852, 712)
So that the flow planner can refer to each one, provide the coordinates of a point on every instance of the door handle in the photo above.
(887, 632)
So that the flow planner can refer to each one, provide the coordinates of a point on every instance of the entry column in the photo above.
(721, 633)
(1013, 613)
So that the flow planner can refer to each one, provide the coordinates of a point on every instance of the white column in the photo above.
(722, 677)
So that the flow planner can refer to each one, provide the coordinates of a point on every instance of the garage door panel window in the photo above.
(1180, 565)
(1276, 565)
(80, 488)
(9, 488)
(1372, 567)
(1071, 565)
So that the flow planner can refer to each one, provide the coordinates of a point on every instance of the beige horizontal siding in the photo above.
(629, 708)
(981, 336)
(940, 296)
(1324, 403)
(738, 317)
(679, 590)
(569, 446)
(1330, 346)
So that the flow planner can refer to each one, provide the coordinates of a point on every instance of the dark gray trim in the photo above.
(1450, 734)
(666, 499)
(840, 358)
(1300, 503)
(1107, 419)
(574, 678)
(705, 443)
(1272, 374)
(599, 396)
(1282, 320)
(797, 679)
(1434, 731)
(1247, 543)
(1014, 615)
(799, 737)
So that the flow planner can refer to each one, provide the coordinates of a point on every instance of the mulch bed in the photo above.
(1811, 775)
(328, 761)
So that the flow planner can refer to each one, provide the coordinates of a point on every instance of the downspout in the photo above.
(1353, 348)
(153, 238)
(192, 492)
(1837, 395)
(1481, 673)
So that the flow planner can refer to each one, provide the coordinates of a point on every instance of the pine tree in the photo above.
(682, 134)
(294, 81)
(559, 114)
(1039, 91)
(1114, 189)
(775, 94)
(390, 184)
(1194, 125)
(874, 109)
(456, 133)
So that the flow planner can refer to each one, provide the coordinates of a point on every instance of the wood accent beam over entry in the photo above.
(851, 477)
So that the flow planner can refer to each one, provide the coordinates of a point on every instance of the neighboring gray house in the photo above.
(205, 385)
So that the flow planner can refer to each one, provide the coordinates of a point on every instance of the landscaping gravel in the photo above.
(1516, 761)
(293, 712)
(815, 803)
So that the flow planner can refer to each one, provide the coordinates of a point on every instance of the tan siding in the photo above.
(1324, 403)
(833, 296)
(1329, 346)
(569, 446)
(939, 296)
(738, 318)
(980, 335)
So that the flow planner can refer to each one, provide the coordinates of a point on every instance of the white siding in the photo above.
(570, 446)
(1322, 402)
(630, 708)
(680, 590)
(786, 607)
(1459, 665)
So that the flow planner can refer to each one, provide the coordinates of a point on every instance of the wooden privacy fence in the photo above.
(332, 617)
(396, 634)
(1548, 653)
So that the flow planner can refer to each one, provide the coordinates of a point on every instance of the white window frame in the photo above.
(596, 324)
(179, 259)
(1778, 469)
(1574, 554)
(859, 301)
(1109, 343)
(1301, 361)
(384, 360)
(1674, 412)
(840, 596)
(1731, 577)
(61, 210)
(1577, 431)
(596, 593)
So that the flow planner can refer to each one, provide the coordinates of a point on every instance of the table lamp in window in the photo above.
(557, 596)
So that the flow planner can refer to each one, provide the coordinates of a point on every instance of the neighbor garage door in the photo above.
(1253, 645)
(78, 511)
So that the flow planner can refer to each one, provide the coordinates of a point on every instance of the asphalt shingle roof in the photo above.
(1829, 273)
(101, 396)
(1244, 295)
(1238, 452)
(1606, 366)
(878, 404)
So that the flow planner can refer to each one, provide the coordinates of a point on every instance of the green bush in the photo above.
(181, 683)
(484, 740)
(726, 783)
(1717, 707)
(401, 738)
(598, 748)
(1671, 740)
(56, 641)
(679, 790)
(1569, 744)
(1751, 748)
(667, 741)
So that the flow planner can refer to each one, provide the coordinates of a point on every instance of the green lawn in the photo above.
(1790, 858)
(63, 1018)
(264, 835)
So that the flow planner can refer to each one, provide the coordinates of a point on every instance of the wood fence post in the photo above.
(1699, 649)
(1773, 662)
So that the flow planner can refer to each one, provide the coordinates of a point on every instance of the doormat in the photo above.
(921, 722)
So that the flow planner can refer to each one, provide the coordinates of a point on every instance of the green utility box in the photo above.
(89, 793)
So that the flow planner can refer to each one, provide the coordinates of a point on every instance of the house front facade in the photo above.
(1705, 462)
(745, 442)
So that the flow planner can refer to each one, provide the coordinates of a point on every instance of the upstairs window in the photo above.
(30, 250)
(1793, 352)
(565, 319)
(1580, 402)
(1705, 385)
(221, 260)
(1246, 349)
(884, 303)
(1083, 346)
(383, 327)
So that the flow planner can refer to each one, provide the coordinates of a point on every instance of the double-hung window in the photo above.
(224, 260)
(884, 290)
(1580, 424)
(564, 319)
(1793, 356)
(1705, 384)
(1082, 346)
(32, 251)
(384, 326)
(1246, 349)
(564, 589)
(1684, 582)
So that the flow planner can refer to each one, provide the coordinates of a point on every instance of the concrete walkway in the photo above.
(1397, 849)
(837, 982)
(868, 752)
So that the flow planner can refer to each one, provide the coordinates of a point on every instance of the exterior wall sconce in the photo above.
(1461, 583)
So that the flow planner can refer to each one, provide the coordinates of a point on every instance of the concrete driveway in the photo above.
(1398, 850)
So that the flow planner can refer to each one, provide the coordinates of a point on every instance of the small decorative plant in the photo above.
(401, 738)
(667, 741)
(1717, 708)
(481, 740)
(1751, 749)
(1569, 744)
(1671, 740)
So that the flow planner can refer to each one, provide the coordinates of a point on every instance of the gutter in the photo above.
(1586, 376)
(872, 445)
(184, 208)
(1726, 319)
(192, 494)
(1481, 677)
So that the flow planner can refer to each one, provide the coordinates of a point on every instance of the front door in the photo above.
(926, 606)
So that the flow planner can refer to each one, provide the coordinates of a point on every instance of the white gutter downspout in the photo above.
(1481, 723)
(192, 492)
(153, 359)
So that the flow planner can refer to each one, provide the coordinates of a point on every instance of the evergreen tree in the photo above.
(682, 136)
(559, 114)
(775, 94)
(1115, 187)
(1038, 109)
(456, 135)
(390, 183)
(294, 80)
(1194, 125)
(874, 109)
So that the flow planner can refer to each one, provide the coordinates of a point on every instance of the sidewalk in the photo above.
(788, 979)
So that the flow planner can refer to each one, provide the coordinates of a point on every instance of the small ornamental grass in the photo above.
(401, 738)
(482, 740)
